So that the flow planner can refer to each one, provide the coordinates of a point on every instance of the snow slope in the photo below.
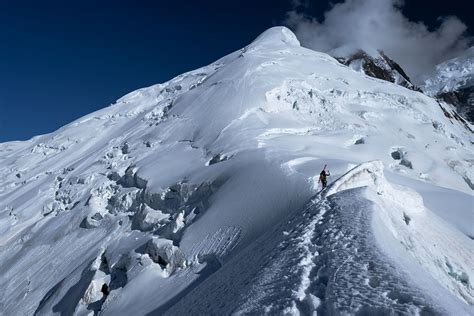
(453, 82)
(326, 258)
(200, 195)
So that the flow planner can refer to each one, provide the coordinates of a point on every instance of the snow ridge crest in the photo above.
(366, 174)
(276, 35)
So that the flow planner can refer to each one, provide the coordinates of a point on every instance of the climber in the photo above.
(323, 177)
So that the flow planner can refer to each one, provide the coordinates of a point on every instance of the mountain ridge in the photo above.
(156, 195)
(453, 82)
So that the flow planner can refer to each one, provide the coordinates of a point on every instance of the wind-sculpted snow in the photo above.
(197, 194)
(326, 258)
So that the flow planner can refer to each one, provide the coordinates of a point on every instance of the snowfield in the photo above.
(200, 196)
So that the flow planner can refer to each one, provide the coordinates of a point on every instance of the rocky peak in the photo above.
(381, 67)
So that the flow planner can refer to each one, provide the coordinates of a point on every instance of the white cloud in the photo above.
(380, 24)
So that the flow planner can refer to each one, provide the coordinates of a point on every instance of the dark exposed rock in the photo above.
(105, 289)
(406, 219)
(381, 67)
(395, 66)
(396, 155)
(463, 100)
(399, 154)
(219, 158)
(406, 163)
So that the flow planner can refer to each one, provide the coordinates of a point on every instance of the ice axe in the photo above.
(324, 168)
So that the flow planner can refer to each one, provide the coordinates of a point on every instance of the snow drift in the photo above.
(200, 195)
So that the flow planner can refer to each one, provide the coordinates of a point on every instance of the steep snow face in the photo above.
(144, 205)
(451, 75)
(453, 82)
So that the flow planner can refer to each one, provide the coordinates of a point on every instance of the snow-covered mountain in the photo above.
(200, 196)
(453, 82)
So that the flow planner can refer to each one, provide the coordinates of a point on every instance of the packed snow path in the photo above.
(323, 259)
(140, 207)
(327, 264)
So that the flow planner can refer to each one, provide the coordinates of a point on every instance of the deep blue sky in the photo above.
(60, 60)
